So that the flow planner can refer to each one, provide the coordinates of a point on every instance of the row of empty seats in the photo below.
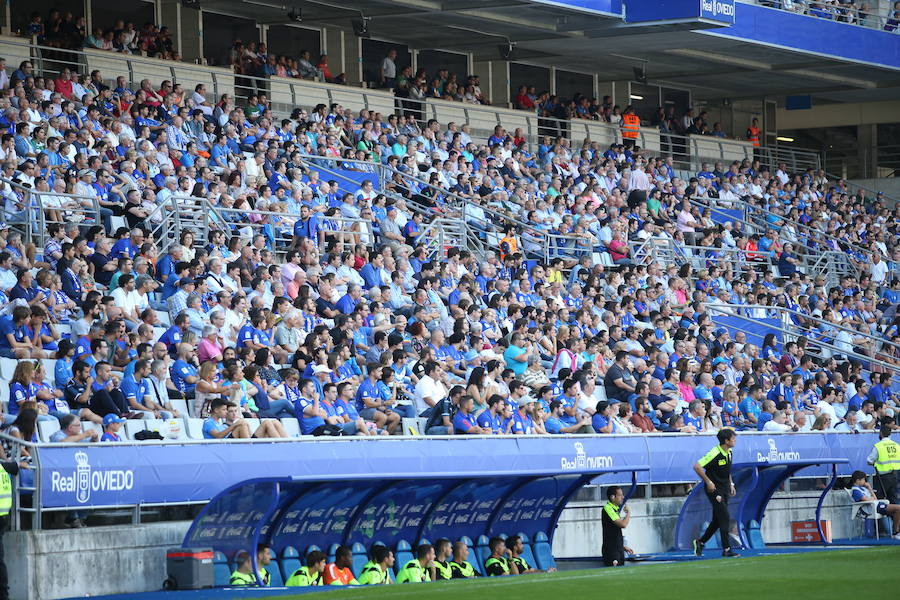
(538, 555)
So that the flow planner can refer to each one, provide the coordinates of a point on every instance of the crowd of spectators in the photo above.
(63, 30)
(843, 11)
(318, 301)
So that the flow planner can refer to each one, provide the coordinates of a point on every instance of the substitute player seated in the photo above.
(862, 491)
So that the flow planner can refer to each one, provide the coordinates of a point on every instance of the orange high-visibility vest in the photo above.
(630, 126)
(753, 136)
(508, 245)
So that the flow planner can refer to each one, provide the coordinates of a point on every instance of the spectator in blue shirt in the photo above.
(371, 271)
(172, 336)
(750, 406)
(464, 422)
(602, 421)
(554, 424)
(309, 411)
(491, 419)
(215, 427)
(695, 415)
(347, 303)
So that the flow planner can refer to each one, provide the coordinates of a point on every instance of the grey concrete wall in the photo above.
(64, 563)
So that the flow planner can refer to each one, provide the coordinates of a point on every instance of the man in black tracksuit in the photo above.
(715, 471)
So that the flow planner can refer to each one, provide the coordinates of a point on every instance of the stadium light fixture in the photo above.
(636, 97)
(782, 138)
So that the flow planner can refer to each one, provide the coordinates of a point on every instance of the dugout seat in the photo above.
(402, 555)
(332, 550)
(543, 554)
(221, 569)
(754, 535)
(360, 558)
(274, 569)
(482, 551)
(290, 561)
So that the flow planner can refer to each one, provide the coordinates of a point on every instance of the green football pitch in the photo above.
(867, 572)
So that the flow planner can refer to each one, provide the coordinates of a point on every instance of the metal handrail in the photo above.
(792, 331)
(749, 208)
(460, 203)
(35, 228)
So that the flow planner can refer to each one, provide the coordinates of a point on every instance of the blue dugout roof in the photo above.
(387, 508)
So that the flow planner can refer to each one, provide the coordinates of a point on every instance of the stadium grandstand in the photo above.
(282, 270)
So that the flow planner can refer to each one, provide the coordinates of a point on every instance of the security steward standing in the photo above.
(885, 457)
(9, 470)
(631, 127)
(615, 518)
(715, 471)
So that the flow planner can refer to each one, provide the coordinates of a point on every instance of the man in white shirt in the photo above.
(127, 299)
(878, 269)
(778, 423)
(430, 390)
(200, 100)
(387, 72)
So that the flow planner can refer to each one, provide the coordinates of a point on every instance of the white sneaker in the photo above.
(896, 536)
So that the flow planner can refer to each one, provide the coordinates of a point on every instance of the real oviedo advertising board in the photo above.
(717, 10)
(123, 474)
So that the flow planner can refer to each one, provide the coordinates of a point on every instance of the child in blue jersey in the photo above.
(861, 491)
(111, 426)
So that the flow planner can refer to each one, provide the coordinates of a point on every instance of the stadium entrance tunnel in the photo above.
(395, 510)
(756, 483)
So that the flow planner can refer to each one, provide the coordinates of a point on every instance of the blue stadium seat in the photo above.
(543, 554)
(482, 551)
(422, 541)
(274, 569)
(714, 540)
(402, 555)
(360, 558)
(221, 569)
(332, 550)
(527, 553)
(754, 536)
(290, 561)
(467, 541)
(502, 536)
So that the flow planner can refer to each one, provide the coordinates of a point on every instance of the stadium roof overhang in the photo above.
(715, 60)
(388, 508)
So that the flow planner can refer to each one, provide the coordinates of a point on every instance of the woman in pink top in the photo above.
(685, 386)
(210, 346)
